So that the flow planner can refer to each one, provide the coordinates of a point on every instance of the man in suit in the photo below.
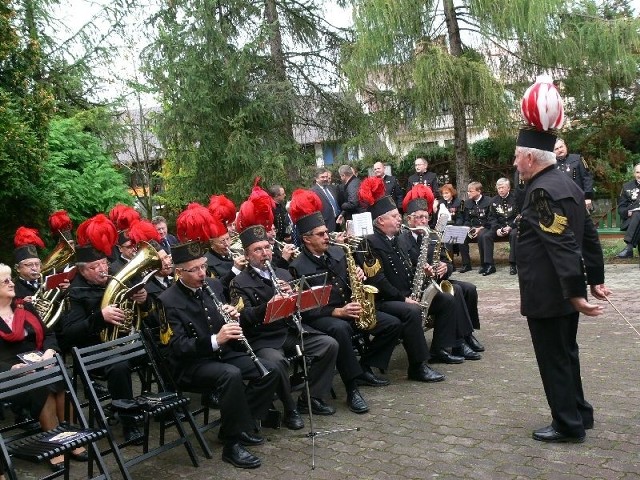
(328, 195)
(348, 197)
(391, 184)
(204, 350)
(167, 240)
(278, 340)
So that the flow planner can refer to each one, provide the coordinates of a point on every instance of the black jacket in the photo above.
(575, 167)
(503, 211)
(629, 199)
(476, 214)
(428, 178)
(349, 202)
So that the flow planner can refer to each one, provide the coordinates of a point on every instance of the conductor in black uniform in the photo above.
(338, 316)
(554, 237)
(203, 351)
(277, 340)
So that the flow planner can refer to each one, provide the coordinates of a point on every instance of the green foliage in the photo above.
(79, 175)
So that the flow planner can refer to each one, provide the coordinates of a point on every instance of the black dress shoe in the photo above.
(465, 268)
(466, 352)
(292, 420)
(56, 467)
(551, 435)
(318, 406)
(489, 270)
(236, 455)
(513, 270)
(355, 402)
(482, 269)
(250, 439)
(370, 379)
(79, 457)
(626, 252)
(473, 342)
(423, 373)
(442, 356)
(132, 435)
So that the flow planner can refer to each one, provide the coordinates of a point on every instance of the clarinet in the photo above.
(274, 279)
(262, 370)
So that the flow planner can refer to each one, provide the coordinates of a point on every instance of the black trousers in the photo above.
(385, 334)
(556, 349)
(486, 244)
(451, 319)
(632, 234)
(240, 405)
(412, 333)
(470, 295)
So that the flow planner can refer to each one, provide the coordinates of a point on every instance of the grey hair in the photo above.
(503, 181)
(541, 157)
(5, 268)
(345, 170)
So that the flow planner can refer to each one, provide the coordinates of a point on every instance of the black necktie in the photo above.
(198, 293)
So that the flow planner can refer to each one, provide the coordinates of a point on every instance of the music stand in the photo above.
(307, 299)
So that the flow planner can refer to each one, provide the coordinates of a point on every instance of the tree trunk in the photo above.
(460, 142)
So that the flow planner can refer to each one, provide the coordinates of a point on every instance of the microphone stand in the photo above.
(297, 318)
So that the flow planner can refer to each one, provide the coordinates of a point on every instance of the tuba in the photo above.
(146, 262)
(48, 303)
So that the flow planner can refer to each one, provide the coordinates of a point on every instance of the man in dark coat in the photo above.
(278, 339)
(167, 240)
(348, 198)
(574, 166)
(329, 196)
(423, 177)
(204, 351)
(629, 211)
(475, 214)
(391, 185)
(558, 248)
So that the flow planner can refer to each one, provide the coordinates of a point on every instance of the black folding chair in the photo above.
(44, 445)
(165, 403)
(150, 340)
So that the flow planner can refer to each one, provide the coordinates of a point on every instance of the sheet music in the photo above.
(362, 224)
(455, 234)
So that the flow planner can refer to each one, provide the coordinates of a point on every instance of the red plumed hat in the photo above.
(60, 223)
(143, 231)
(372, 193)
(420, 197)
(194, 224)
(305, 210)
(116, 211)
(222, 209)
(26, 240)
(96, 238)
(127, 218)
(257, 210)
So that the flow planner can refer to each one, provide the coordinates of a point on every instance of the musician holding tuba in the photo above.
(455, 308)
(349, 303)
(204, 349)
(83, 319)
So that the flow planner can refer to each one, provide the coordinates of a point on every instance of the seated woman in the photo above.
(21, 331)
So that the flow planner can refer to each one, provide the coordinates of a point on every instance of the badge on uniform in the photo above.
(165, 329)
(550, 222)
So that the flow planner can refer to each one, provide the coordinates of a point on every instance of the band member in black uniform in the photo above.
(475, 214)
(122, 216)
(204, 349)
(558, 248)
(28, 265)
(629, 211)
(423, 177)
(277, 340)
(449, 312)
(453, 204)
(389, 269)
(127, 250)
(83, 319)
(576, 168)
(503, 218)
(338, 316)
(391, 184)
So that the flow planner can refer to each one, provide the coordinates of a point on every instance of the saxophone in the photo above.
(361, 293)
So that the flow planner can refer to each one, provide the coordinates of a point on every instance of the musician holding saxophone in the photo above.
(206, 349)
(349, 304)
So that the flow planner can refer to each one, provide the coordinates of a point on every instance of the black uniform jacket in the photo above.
(334, 264)
(574, 166)
(476, 214)
(428, 178)
(23, 289)
(455, 209)
(554, 236)
(503, 211)
(393, 189)
(193, 321)
(255, 292)
(412, 247)
(394, 279)
(628, 200)
(349, 202)
(82, 320)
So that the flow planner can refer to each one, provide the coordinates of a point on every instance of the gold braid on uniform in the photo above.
(165, 329)
(550, 222)
(371, 265)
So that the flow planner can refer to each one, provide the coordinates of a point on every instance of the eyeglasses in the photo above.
(195, 269)
(268, 248)
(420, 217)
(31, 265)
(318, 234)
(6, 281)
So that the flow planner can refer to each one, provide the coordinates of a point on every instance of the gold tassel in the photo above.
(558, 225)
(165, 335)
(371, 270)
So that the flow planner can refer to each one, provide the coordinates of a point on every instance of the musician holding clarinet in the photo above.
(207, 346)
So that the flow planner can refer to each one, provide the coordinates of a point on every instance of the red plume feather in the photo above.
(194, 224)
(222, 209)
(116, 211)
(257, 210)
(127, 218)
(143, 231)
(60, 222)
(27, 236)
(99, 232)
(303, 203)
(371, 190)
(419, 191)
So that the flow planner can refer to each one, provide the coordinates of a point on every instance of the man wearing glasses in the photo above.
(203, 351)
(423, 177)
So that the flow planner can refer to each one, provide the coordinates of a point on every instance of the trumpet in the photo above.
(422, 229)
(354, 241)
(296, 250)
